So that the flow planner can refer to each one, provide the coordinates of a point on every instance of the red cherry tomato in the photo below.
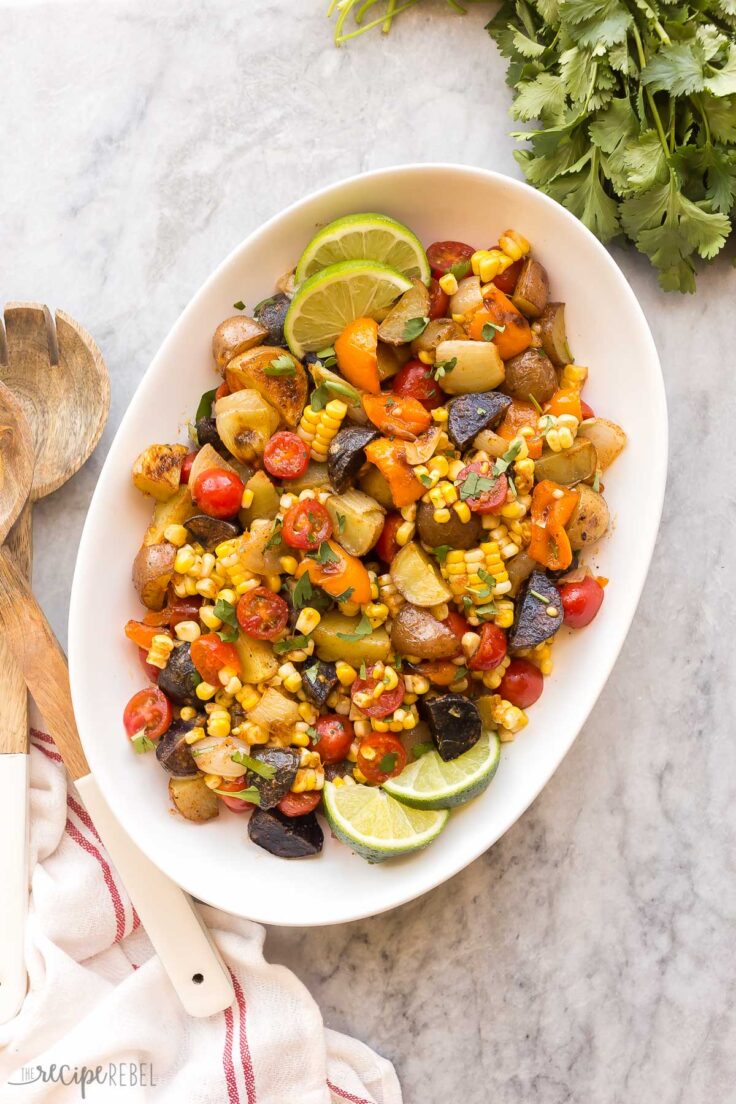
(442, 256)
(182, 609)
(151, 672)
(581, 601)
(415, 381)
(218, 492)
(376, 707)
(299, 804)
(488, 501)
(506, 281)
(381, 756)
(387, 546)
(335, 734)
(237, 804)
(262, 614)
(286, 456)
(439, 300)
(457, 623)
(210, 655)
(187, 467)
(148, 713)
(306, 524)
(491, 650)
(587, 411)
(522, 683)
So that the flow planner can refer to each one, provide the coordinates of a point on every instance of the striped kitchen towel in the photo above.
(101, 1021)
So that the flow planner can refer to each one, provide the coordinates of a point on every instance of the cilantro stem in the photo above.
(345, 12)
(390, 9)
(648, 93)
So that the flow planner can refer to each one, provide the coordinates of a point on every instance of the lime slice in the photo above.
(376, 826)
(431, 783)
(365, 237)
(327, 301)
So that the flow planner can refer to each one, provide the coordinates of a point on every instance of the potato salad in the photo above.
(358, 563)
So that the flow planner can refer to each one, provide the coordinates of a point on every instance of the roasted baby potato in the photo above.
(590, 519)
(194, 799)
(233, 337)
(390, 359)
(245, 422)
(416, 632)
(469, 414)
(519, 568)
(316, 476)
(553, 335)
(609, 439)
(569, 467)
(153, 569)
(174, 753)
(530, 375)
(414, 303)
(357, 520)
(373, 482)
(437, 331)
(157, 470)
(331, 644)
(478, 366)
(180, 678)
(265, 502)
(257, 660)
(175, 511)
(256, 369)
(416, 578)
(455, 533)
(271, 313)
(205, 459)
(532, 289)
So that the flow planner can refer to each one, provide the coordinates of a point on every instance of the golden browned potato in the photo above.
(157, 470)
(553, 334)
(438, 330)
(153, 569)
(268, 370)
(532, 289)
(331, 645)
(245, 422)
(571, 466)
(590, 519)
(416, 578)
(530, 375)
(207, 458)
(257, 660)
(265, 502)
(414, 303)
(194, 799)
(357, 520)
(609, 439)
(416, 632)
(235, 336)
(373, 482)
(478, 366)
(175, 511)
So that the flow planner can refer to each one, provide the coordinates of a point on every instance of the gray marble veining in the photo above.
(590, 956)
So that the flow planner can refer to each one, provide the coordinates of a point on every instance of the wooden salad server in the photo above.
(168, 915)
(58, 377)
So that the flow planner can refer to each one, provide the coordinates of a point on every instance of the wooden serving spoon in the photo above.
(58, 377)
(168, 915)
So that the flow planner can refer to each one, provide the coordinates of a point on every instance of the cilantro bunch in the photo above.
(635, 110)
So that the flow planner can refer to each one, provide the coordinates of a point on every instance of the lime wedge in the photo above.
(327, 301)
(365, 237)
(431, 783)
(376, 826)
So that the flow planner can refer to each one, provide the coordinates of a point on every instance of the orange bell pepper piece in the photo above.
(356, 352)
(566, 401)
(390, 459)
(518, 415)
(497, 308)
(338, 573)
(142, 634)
(552, 508)
(397, 416)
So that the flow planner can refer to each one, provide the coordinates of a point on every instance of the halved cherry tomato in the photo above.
(522, 684)
(222, 390)
(581, 601)
(376, 707)
(306, 524)
(337, 573)
(491, 650)
(237, 804)
(443, 255)
(506, 280)
(397, 416)
(299, 804)
(518, 415)
(187, 466)
(148, 713)
(261, 613)
(457, 623)
(439, 300)
(356, 352)
(415, 381)
(387, 546)
(381, 756)
(218, 492)
(150, 671)
(143, 635)
(440, 672)
(492, 493)
(566, 400)
(286, 456)
(335, 734)
(210, 655)
(587, 411)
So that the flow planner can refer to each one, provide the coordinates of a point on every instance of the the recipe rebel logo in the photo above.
(120, 1075)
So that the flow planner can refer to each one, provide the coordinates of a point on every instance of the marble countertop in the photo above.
(589, 957)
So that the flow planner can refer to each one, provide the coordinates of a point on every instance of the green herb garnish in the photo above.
(597, 481)
(341, 519)
(418, 750)
(345, 596)
(441, 552)
(363, 670)
(324, 554)
(250, 793)
(388, 762)
(281, 365)
(326, 391)
(240, 305)
(507, 459)
(475, 484)
(414, 327)
(141, 743)
(489, 331)
(461, 673)
(313, 734)
(424, 479)
(363, 628)
(541, 597)
(275, 537)
(535, 404)
(291, 644)
(302, 592)
(263, 770)
(460, 270)
(204, 410)
(444, 367)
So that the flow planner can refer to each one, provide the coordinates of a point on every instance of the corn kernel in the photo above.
(404, 533)
(208, 617)
(439, 465)
(308, 713)
(308, 620)
(440, 415)
(462, 510)
(194, 735)
(247, 500)
(214, 781)
(176, 535)
(205, 691)
(345, 673)
(426, 358)
(184, 561)
(441, 516)
(288, 564)
(273, 582)
(448, 283)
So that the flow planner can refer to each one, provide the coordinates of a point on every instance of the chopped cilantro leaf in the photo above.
(240, 305)
(204, 410)
(414, 327)
(263, 770)
(388, 762)
(363, 628)
(280, 366)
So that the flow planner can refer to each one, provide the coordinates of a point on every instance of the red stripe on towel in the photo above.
(248, 1074)
(345, 1095)
(83, 815)
(233, 1095)
(52, 755)
(117, 903)
(44, 736)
